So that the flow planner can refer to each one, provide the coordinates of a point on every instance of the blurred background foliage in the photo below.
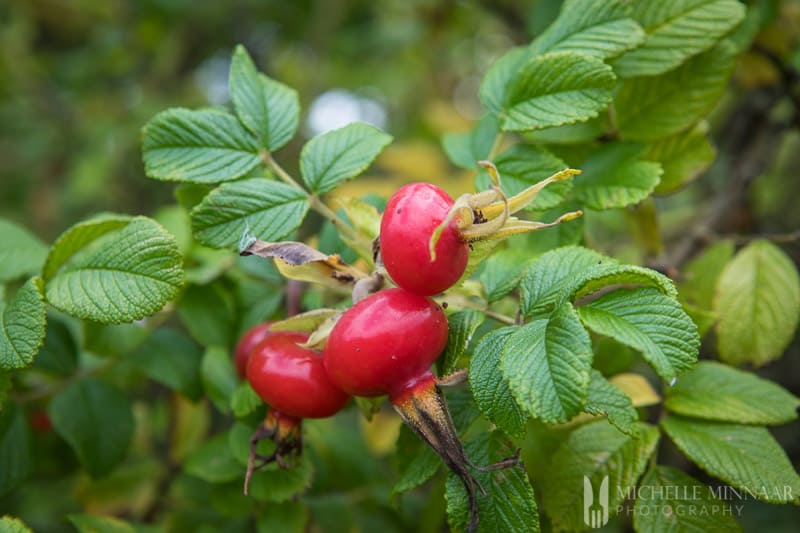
(79, 78)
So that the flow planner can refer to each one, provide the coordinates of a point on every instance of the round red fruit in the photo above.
(246, 344)
(385, 343)
(412, 214)
(292, 379)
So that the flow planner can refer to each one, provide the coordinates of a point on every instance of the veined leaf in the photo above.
(244, 400)
(714, 391)
(606, 399)
(592, 453)
(677, 30)
(265, 209)
(683, 157)
(509, 504)
(758, 304)
(648, 321)
(600, 28)
(745, 457)
(502, 272)
(415, 460)
(97, 422)
(656, 510)
(339, 155)
(652, 108)
(205, 146)
(113, 270)
(22, 253)
(462, 326)
(22, 326)
(615, 176)
(269, 109)
(546, 364)
(10, 524)
(554, 89)
(466, 149)
(490, 389)
(496, 84)
(609, 274)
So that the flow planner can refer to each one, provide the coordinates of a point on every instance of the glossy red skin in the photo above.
(291, 379)
(412, 214)
(246, 344)
(385, 343)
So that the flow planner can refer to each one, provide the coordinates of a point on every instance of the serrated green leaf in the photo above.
(490, 389)
(10, 524)
(676, 31)
(269, 109)
(97, 422)
(606, 399)
(172, 359)
(648, 321)
(244, 400)
(416, 461)
(652, 108)
(604, 275)
(582, 132)
(206, 146)
(59, 353)
(714, 391)
(462, 325)
(113, 270)
(496, 84)
(509, 504)
(214, 462)
(209, 313)
(615, 176)
(547, 282)
(219, 377)
(554, 89)
(546, 364)
(683, 157)
(265, 209)
(87, 523)
(675, 502)
(22, 253)
(594, 451)
(502, 272)
(339, 155)
(16, 448)
(758, 305)
(524, 165)
(22, 326)
(273, 484)
(466, 149)
(745, 457)
(599, 28)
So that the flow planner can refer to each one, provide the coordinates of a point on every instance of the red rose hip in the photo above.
(246, 343)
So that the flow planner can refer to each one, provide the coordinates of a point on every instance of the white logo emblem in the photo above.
(595, 515)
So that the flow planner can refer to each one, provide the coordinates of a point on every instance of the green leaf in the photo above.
(87, 523)
(22, 329)
(524, 165)
(265, 209)
(9, 524)
(116, 340)
(615, 176)
(97, 422)
(700, 275)
(274, 484)
(209, 313)
(745, 457)
(490, 389)
(214, 462)
(416, 461)
(670, 496)
(554, 89)
(649, 109)
(605, 275)
(466, 149)
(594, 451)
(509, 504)
(339, 155)
(714, 391)
(496, 84)
(463, 325)
(648, 321)
(606, 399)
(16, 448)
(558, 236)
(219, 377)
(244, 400)
(22, 253)
(676, 31)
(758, 304)
(269, 109)
(113, 270)
(548, 280)
(546, 364)
(502, 272)
(599, 28)
(206, 146)
(683, 157)
(5, 387)
(172, 359)
(59, 353)
(287, 517)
